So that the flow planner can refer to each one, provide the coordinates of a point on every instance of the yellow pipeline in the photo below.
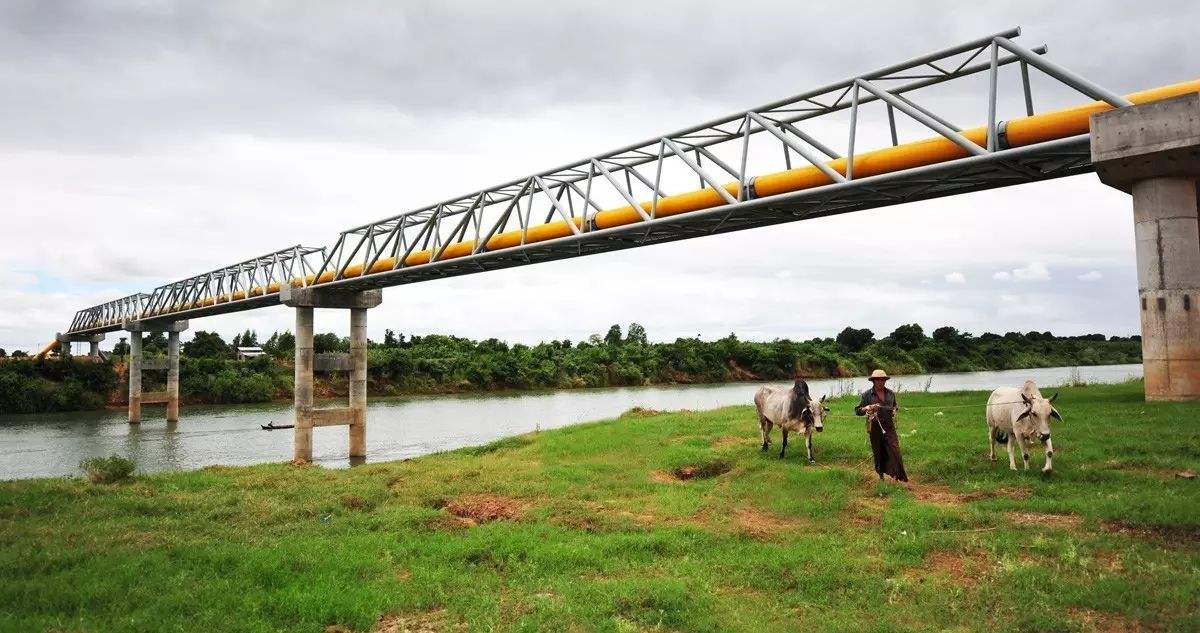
(1020, 132)
(1038, 128)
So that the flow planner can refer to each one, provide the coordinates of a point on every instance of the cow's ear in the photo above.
(1054, 414)
(826, 409)
(1024, 414)
(1025, 398)
(1054, 397)
(806, 415)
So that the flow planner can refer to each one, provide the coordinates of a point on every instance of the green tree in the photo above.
(3, 354)
(613, 337)
(854, 340)
(908, 337)
(206, 345)
(19, 353)
(154, 343)
(636, 335)
(121, 348)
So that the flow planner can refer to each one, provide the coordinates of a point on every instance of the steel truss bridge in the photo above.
(617, 200)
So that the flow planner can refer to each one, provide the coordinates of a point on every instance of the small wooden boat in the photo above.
(271, 426)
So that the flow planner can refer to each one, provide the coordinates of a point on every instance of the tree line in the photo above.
(400, 364)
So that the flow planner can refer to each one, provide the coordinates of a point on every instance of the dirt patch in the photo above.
(426, 622)
(663, 477)
(1100, 622)
(1172, 533)
(944, 496)
(353, 502)
(1061, 521)
(758, 524)
(964, 569)
(484, 508)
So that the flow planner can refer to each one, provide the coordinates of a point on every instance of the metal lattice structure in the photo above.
(112, 314)
(569, 211)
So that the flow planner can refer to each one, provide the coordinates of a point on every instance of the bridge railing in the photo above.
(109, 313)
(244, 281)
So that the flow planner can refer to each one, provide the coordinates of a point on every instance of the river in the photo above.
(51, 445)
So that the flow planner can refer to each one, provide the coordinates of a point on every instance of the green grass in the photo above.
(601, 539)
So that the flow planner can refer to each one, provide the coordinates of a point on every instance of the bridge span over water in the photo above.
(768, 165)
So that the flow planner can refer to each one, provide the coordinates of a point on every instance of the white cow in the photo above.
(1015, 417)
(793, 410)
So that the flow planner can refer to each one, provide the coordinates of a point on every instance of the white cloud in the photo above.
(1002, 275)
(1035, 271)
(1091, 275)
(956, 278)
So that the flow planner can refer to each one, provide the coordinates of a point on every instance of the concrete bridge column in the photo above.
(172, 376)
(135, 377)
(358, 382)
(94, 349)
(137, 364)
(1153, 152)
(303, 389)
(355, 415)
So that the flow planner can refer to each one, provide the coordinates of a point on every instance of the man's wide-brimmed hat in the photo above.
(879, 374)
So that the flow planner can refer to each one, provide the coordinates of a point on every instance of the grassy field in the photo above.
(589, 528)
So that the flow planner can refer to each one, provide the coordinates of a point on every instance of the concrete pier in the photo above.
(303, 389)
(1152, 151)
(172, 376)
(358, 382)
(135, 377)
(304, 300)
(137, 365)
(65, 340)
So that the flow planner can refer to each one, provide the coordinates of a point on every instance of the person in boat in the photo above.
(879, 405)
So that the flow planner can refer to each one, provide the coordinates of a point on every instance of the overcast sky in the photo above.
(142, 142)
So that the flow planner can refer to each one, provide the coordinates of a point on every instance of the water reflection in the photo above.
(53, 444)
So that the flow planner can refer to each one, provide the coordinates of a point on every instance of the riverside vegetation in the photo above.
(436, 363)
(670, 521)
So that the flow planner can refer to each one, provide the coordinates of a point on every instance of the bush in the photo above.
(107, 470)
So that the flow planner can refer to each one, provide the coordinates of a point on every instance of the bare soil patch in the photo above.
(484, 508)
(641, 412)
(963, 568)
(944, 496)
(1175, 533)
(1061, 521)
(759, 524)
(1100, 622)
(424, 622)
(686, 472)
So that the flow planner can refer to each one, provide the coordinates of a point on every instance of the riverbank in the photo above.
(591, 528)
(436, 364)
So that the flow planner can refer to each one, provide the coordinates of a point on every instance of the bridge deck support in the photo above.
(1153, 152)
(355, 415)
(171, 395)
(93, 341)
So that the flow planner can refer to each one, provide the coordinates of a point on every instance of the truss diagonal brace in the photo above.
(925, 119)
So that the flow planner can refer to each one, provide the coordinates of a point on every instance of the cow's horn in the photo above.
(1052, 398)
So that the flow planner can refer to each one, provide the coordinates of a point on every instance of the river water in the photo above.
(50, 445)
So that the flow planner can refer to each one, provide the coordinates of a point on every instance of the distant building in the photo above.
(249, 352)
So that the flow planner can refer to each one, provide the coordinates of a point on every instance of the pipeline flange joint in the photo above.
(1002, 136)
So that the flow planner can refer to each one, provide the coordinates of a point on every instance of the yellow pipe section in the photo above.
(1029, 130)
